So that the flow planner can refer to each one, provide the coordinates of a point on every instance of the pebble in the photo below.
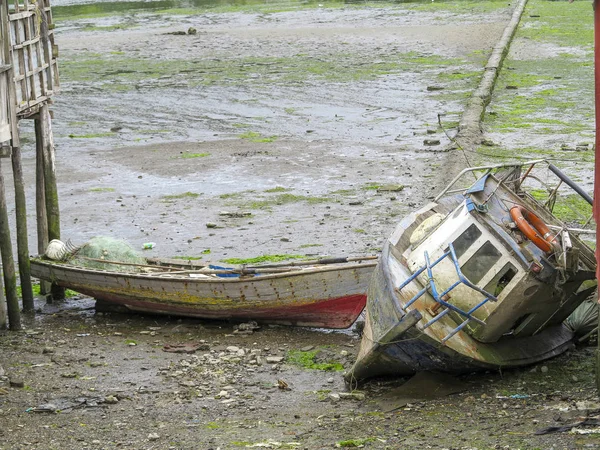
(153, 437)
(47, 350)
(589, 406)
(17, 383)
(308, 348)
(233, 349)
(334, 397)
(544, 369)
(111, 399)
(274, 359)
(222, 394)
(330, 380)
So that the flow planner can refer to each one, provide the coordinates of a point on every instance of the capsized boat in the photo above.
(327, 293)
(481, 278)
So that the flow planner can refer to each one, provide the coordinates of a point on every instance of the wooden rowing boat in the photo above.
(467, 283)
(327, 293)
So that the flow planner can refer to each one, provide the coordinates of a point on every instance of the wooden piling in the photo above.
(5, 117)
(22, 240)
(8, 265)
(50, 187)
(40, 200)
(3, 315)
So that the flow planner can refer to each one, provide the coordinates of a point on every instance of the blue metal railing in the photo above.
(438, 297)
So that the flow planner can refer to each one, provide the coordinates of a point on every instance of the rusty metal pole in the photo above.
(597, 161)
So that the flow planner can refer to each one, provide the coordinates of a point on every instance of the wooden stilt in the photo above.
(3, 315)
(22, 240)
(40, 200)
(50, 187)
(8, 265)
(5, 119)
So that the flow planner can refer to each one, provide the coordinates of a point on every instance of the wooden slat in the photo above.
(21, 15)
(5, 132)
(29, 74)
(26, 43)
(29, 34)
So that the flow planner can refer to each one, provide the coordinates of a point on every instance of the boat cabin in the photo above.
(516, 288)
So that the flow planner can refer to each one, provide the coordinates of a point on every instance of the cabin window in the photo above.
(501, 280)
(465, 240)
(481, 262)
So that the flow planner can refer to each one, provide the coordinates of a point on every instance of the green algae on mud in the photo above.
(543, 99)
(120, 72)
(102, 189)
(570, 208)
(308, 360)
(560, 23)
(196, 7)
(253, 136)
(183, 195)
(277, 189)
(283, 199)
(262, 259)
(91, 135)
(188, 155)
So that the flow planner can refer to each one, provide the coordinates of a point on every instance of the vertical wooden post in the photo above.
(8, 265)
(40, 200)
(10, 280)
(50, 187)
(6, 80)
(3, 315)
(21, 221)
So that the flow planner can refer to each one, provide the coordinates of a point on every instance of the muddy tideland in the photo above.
(278, 130)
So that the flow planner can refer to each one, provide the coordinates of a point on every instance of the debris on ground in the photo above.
(187, 347)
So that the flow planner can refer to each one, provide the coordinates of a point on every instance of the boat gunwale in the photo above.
(293, 272)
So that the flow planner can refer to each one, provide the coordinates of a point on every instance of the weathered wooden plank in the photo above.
(5, 130)
(26, 43)
(29, 35)
(16, 16)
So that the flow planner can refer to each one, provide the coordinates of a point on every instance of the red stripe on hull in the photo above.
(338, 312)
